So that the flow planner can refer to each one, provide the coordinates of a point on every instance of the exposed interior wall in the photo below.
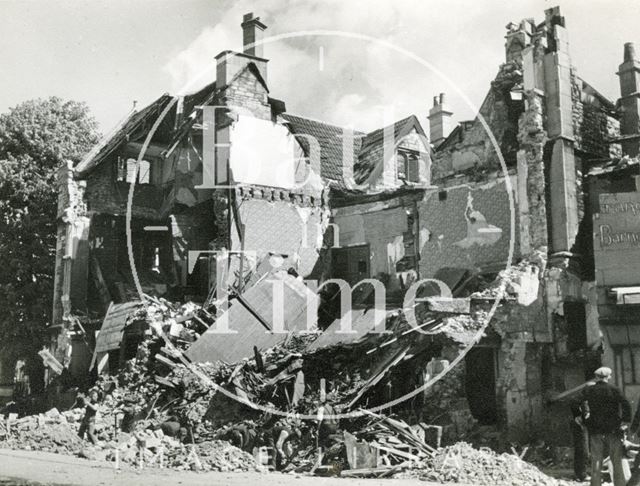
(384, 227)
(283, 223)
(104, 194)
(466, 227)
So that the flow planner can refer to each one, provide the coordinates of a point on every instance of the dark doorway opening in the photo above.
(480, 384)
(351, 264)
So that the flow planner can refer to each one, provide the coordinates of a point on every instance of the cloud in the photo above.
(357, 80)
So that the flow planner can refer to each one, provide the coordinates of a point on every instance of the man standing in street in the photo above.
(580, 442)
(605, 410)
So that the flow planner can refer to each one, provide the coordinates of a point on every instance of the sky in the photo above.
(383, 59)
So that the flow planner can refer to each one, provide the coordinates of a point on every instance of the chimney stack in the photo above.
(439, 120)
(252, 35)
(629, 74)
(229, 63)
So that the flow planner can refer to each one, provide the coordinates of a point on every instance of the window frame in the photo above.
(124, 166)
(409, 157)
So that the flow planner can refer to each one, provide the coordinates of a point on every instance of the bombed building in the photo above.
(483, 230)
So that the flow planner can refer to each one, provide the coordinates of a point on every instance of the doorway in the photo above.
(480, 384)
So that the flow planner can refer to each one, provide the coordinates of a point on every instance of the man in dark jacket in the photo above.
(605, 410)
(580, 442)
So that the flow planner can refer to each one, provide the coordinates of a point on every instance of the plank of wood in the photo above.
(394, 469)
(570, 392)
(164, 360)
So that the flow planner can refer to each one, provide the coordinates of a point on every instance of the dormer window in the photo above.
(408, 166)
(126, 171)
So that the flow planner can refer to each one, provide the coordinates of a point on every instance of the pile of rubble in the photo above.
(155, 449)
(160, 387)
(58, 432)
(461, 463)
(48, 432)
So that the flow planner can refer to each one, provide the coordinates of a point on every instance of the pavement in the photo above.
(28, 468)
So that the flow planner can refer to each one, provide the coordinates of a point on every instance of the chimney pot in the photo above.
(435, 101)
(442, 98)
(629, 52)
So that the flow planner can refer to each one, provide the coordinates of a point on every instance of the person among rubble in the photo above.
(282, 437)
(606, 413)
(88, 424)
(172, 428)
(243, 436)
(328, 424)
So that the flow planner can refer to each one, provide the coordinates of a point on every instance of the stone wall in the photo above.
(532, 205)
(593, 123)
(470, 148)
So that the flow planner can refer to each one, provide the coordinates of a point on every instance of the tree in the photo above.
(36, 137)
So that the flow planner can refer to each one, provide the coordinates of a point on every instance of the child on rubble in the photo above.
(88, 423)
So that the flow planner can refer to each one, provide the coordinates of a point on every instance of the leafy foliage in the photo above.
(36, 137)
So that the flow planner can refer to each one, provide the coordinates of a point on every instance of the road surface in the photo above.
(16, 467)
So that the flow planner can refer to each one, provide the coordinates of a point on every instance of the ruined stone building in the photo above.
(516, 185)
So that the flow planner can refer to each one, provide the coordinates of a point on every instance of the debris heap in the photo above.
(461, 463)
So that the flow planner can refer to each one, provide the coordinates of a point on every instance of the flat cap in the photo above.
(603, 372)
